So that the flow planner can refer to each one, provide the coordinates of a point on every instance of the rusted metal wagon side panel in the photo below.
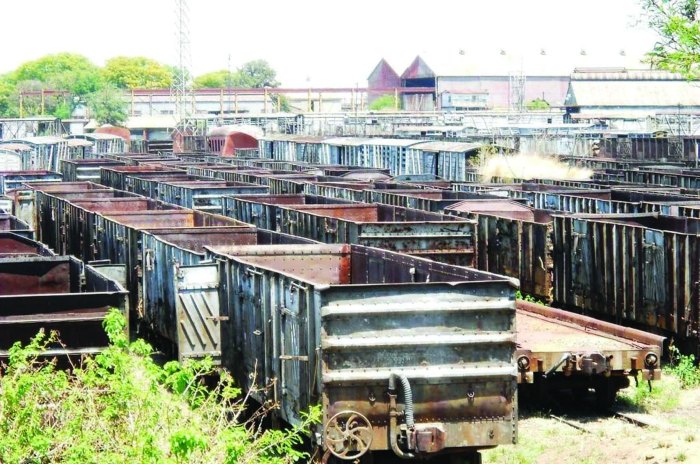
(118, 236)
(150, 186)
(79, 221)
(516, 248)
(289, 184)
(9, 223)
(349, 192)
(56, 293)
(639, 270)
(13, 245)
(13, 180)
(207, 198)
(263, 210)
(365, 337)
(582, 204)
(180, 298)
(116, 177)
(398, 229)
(76, 170)
(330, 325)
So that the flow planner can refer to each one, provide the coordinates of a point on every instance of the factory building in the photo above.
(490, 79)
(629, 94)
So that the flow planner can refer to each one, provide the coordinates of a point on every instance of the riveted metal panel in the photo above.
(392, 228)
(56, 293)
(207, 196)
(639, 270)
(328, 324)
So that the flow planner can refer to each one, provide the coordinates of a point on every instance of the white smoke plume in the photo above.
(530, 166)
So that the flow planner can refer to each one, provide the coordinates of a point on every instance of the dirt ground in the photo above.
(672, 434)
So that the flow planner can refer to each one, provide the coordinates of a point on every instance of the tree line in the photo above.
(56, 84)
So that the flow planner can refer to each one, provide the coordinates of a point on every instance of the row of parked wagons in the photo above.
(624, 252)
(341, 325)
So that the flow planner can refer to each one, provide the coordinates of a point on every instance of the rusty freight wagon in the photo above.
(404, 355)
(30, 209)
(639, 270)
(56, 293)
(86, 170)
(9, 223)
(118, 236)
(513, 240)
(430, 235)
(117, 176)
(206, 195)
(13, 246)
(180, 291)
(263, 210)
(10, 180)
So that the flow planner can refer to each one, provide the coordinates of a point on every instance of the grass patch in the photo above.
(664, 395)
(523, 453)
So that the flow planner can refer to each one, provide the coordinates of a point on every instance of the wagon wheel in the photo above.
(348, 435)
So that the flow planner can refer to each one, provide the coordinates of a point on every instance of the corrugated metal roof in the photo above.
(453, 147)
(553, 61)
(632, 93)
(100, 136)
(79, 143)
(418, 69)
(392, 142)
(14, 146)
(348, 141)
(253, 131)
(623, 74)
(43, 140)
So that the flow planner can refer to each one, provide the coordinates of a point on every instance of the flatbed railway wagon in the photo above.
(559, 349)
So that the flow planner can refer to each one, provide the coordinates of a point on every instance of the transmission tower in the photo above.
(181, 89)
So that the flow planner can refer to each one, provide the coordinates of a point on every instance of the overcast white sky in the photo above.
(316, 42)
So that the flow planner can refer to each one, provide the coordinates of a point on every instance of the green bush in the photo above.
(385, 102)
(529, 298)
(119, 406)
(683, 367)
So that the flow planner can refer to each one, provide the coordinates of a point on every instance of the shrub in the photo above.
(120, 406)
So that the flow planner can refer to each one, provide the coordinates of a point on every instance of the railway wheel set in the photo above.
(399, 318)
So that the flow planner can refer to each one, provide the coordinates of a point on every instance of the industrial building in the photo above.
(629, 94)
(490, 79)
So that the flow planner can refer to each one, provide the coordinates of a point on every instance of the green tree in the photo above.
(676, 23)
(9, 100)
(137, 72)
(385, 102)
(256, 74)
(62, 71)
(108, 107)
(215, 80)
(537, 104)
